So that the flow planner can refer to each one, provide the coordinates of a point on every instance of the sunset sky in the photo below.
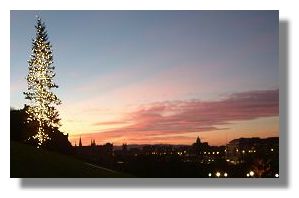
(157, 76)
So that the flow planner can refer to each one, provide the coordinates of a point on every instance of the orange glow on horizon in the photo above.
(269, 128)
(246, 114)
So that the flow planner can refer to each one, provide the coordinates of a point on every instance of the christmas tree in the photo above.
(41, 111)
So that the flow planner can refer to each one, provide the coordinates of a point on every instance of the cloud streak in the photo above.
(169, 118)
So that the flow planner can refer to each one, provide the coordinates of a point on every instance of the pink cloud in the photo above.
(111, 123)
(155, 120)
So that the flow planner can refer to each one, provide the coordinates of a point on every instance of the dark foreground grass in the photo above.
(29, 162)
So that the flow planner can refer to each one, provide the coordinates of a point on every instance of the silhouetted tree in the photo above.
(20, 131)
(17, 125)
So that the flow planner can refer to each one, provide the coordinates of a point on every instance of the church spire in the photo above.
(198, 140)
(80, 142)
(92, 142)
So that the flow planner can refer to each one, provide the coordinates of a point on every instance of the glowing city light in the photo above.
(218, 174)
(251, 173)
(225, 174)
(210, 174)
(276, 175)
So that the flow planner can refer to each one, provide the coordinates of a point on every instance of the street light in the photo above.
(218, 174)
(210, 174)
(276, 175)
(225, 174)
(251, 173)
(247, 175)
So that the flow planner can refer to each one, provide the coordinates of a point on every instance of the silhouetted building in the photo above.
(199, 147)
(125, 148)
(92, 142)
(238, 150)
(100, 154)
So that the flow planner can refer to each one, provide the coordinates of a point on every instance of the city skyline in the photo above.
(157, 76)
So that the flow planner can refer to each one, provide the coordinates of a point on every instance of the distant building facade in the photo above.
(238, 150)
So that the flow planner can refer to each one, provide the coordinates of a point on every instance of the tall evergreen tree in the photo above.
(41, 110)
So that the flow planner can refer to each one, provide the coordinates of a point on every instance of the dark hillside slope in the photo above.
(29, 162)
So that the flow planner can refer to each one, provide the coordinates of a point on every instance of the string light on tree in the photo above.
(41, 109)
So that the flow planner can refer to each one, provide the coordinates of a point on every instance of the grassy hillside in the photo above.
(29, 162)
